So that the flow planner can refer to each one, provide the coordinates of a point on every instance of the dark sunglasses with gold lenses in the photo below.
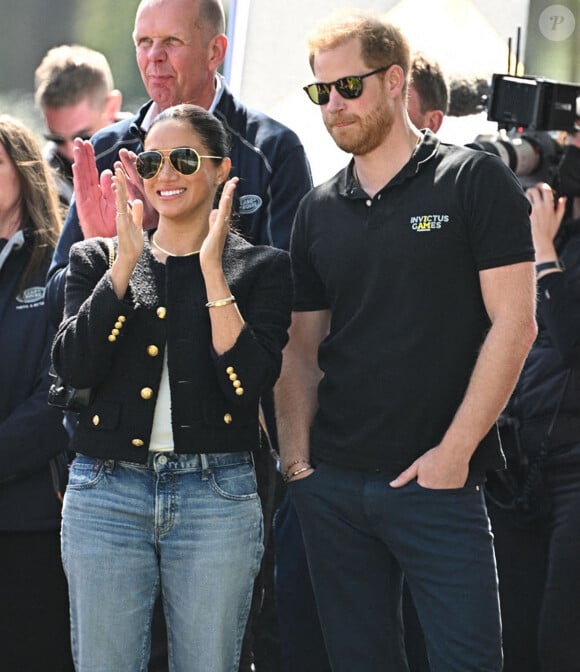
(347, 87)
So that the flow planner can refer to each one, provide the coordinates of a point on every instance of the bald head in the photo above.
(180, 44)
(210, 13)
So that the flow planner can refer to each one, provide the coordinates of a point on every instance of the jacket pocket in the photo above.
(218, 413)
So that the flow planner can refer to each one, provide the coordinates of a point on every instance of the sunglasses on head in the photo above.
(347, 87)
(185, 160)
(61, 139)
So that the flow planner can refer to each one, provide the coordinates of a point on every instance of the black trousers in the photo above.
(34, 608)
(539, 575)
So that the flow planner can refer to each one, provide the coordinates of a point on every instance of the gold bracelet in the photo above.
(289, 477)
(221, 302)
(293, 464)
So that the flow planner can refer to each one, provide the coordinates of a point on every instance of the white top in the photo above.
(161, 434)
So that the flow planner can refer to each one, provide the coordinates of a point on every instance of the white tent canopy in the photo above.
(268, 62)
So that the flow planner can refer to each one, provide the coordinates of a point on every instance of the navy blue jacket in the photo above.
(544, 379)
(267, 156)
(214, 399)
(31, 432)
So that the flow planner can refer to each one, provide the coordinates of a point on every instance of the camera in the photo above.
(533, 103)
(530, 113)
(533, 156)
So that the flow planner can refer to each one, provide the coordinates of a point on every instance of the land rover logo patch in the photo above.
(249, 204)
(31, 295)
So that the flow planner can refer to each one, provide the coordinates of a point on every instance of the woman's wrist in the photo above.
(216, 285)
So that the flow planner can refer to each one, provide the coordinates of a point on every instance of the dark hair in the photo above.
(39, 210)
(466, 95)
(209, 128)
(429, 83)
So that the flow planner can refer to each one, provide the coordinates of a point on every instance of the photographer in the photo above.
(535, 505)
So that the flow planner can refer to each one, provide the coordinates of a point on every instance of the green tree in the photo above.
(107, 25)
(27, 36)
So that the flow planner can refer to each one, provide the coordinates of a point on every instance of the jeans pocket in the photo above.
(85, 472)
(471, 486)
(235, 481)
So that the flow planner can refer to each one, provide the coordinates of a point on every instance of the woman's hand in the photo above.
(129, 232)
(546, 218)
(210, 254)
(135, 188)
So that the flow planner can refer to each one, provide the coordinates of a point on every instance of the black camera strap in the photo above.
(522, 494)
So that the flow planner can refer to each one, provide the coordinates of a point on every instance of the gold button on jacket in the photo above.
(146, 393)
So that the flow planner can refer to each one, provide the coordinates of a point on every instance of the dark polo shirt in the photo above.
(400, 274)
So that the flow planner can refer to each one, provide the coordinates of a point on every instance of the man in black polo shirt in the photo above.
(414, 312)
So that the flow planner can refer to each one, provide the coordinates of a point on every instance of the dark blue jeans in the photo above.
(361, 535)
(301, 643)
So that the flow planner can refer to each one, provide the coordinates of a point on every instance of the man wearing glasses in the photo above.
(413, 314)
(75, 93)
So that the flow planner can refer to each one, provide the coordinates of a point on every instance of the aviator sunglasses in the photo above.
(347, 87)
(185, 160)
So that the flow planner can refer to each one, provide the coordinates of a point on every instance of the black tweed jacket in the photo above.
(116, 347)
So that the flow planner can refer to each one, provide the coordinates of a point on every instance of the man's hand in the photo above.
(437, 469)
(94, 196)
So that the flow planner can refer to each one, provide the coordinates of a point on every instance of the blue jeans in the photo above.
(361, 535)
(188, 526)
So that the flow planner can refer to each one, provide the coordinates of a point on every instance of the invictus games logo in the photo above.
(428, 222)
